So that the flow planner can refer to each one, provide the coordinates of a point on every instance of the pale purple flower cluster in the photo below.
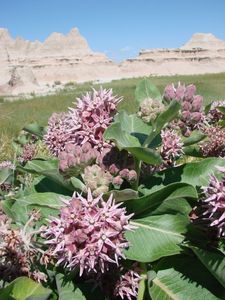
(215, 144)
(192, 114)
(17, 253)
(59, 133)
(6, 164)
(28, 153)
(127, 285)
(94, 112)
(172, 146)
(74, 159)
(214, 115)
(85, 123)
(89, 234)
(211, 210)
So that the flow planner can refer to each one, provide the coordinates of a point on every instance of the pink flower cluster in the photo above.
(214, 203)
(89, 234)
(192, 115)
(171, 146)
(59, 133)
(18, 254)
(6, 164)
(85, 123)
(214, 115)
(28, 153)
(127, 285)
(215, 144)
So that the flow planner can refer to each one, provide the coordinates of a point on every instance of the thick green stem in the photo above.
(137, 165)
(141, 289)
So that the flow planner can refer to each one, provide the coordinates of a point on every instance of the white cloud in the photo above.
(126, 49)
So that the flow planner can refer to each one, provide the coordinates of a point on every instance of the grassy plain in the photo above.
(15, 115)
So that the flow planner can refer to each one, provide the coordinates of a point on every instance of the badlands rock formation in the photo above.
(32, 66)
(29, 66)
(203, 53)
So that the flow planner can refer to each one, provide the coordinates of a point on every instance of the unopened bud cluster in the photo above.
(192, 114)
(149, 109)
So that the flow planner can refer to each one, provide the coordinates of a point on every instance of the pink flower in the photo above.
(214, 115)
(215, 144)
(171, 145)
(85, 123)
(89, 233)
(127, 285)
(29, 151)
(18, 252)
(60, 131)
(210, 211)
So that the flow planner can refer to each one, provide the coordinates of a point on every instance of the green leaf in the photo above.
(120, 133)
(193, 150)
(194, 173)
(132, 123)
(164, 118)
(122, 138)
(221, 109)
(183, 278)
(67, 290)
(167, 116)
(48, 168)
(24, 288)
(35, 129)
(146, 89)
(123, 195)
(6, 175)
(213, 261)
(155, 237)
(46, 203)
(146, 155)
(150, 202)
(195, 137)
(78, 184)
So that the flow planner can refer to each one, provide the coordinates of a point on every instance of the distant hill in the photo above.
(34, 66)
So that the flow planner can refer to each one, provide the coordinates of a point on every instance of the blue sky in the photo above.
(120, 28)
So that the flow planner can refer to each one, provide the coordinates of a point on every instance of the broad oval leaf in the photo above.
(132, 123)
(24, 288)
(195, 137)
(194, 173)
(156, 237)
(67, 290)
(213, 261)
(122, 195)
(48, 168)
(146, 89)
(121, 137)
(148, 203)
(35, 128)
(47, 203)
(181, 278)
(164, 118)
(146, 155)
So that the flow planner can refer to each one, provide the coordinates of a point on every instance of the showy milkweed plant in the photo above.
(103, 204)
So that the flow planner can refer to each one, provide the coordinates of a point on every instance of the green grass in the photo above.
(15, 115)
